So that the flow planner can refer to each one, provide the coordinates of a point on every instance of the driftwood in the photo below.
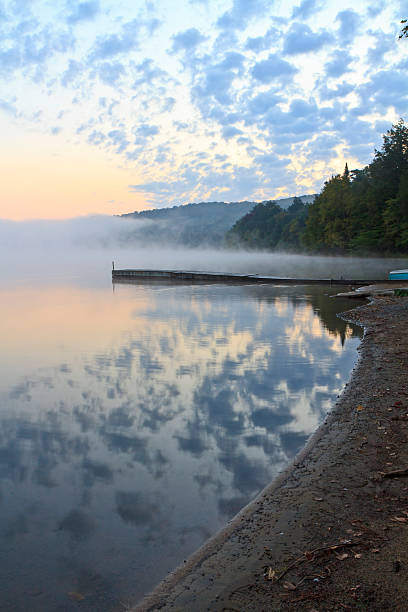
(396, 473)
(309, 556)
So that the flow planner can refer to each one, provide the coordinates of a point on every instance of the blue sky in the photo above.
(115, 106)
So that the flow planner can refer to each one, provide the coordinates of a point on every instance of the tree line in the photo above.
(360, 211)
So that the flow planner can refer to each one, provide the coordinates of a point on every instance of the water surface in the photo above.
(136, 421)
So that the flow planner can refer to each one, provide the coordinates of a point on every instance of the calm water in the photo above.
(136, 421)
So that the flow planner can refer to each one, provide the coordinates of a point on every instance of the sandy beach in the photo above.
(330, 532)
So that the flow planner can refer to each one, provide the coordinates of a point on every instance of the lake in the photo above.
(136, 420)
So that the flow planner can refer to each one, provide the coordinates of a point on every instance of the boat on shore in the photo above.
(398, 275)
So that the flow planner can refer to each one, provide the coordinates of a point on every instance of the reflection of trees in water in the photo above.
(326, 308)
(231, 408)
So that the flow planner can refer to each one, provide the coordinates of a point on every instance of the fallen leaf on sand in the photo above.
(360, 407)
(375, 550)
(341, 556)
(75, 596)
(289, 586)
(271, 574)
(318, 498)
(358, 556)
(400, 519)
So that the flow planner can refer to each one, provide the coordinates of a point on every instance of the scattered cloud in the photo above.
(114, 44)
(82, 11)
(110, 72)
(187, 40)
(8, 107)
(212, 108)
(241, 12)
(349, 24)
(272, 68)
(339, 63)
(306, 9)
(301, 39)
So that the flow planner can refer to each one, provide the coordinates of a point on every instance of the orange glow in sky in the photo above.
(39, 180)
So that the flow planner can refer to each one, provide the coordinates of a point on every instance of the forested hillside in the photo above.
(361, 211)
(201, 224)
(268, 226)
(365, 211)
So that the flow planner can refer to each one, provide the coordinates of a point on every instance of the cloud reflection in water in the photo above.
(122, 451)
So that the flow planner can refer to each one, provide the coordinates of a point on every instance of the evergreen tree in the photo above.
(365, 210)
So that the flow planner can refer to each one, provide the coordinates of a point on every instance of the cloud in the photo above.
(386, 88)
(261, 43)
(148, 72)
(339, 91)
(8, 107)
(73, 71)
(242, 11)
(301, 39)
(246, 87)
(119, 140)
(350, 23)
(144, 132)
(216, 83)
(114, 44)
(156, 187)
(29, 46)
(83, 11)
(300, 108)
(376, 8)
(272, 68)
(339, 63)
(232, 60)
(262, 103)
(323, 146)
(230, 131)
(306, 9)
(187, 40)
(110, 72)
(271, 162)
(383, 44)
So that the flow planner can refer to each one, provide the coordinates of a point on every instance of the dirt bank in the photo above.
(331, 532)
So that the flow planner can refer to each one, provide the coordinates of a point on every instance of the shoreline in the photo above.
(329, 532)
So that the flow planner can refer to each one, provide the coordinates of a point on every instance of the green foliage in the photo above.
(328, 223)
(360, 211)
(268, 226)
(365, 211)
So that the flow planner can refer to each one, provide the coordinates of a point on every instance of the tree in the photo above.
(404, 31)
(328, 222)
(365, 211)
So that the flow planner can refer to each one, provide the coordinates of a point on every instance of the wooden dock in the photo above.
(135, 275)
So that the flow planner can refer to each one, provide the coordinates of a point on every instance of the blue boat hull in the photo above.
(398, 275)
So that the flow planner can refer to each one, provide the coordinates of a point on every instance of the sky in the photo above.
(111, 106)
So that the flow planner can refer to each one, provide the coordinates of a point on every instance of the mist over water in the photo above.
(82, 250)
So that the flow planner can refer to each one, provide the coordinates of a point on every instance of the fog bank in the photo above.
(81, 251)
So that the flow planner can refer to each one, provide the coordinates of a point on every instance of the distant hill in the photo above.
(196, 224)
